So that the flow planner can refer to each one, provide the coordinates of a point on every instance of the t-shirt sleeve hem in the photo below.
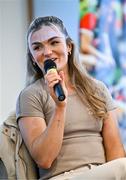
(18, 116)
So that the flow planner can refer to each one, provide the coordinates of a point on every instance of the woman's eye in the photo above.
(36, 48)
(55, 42)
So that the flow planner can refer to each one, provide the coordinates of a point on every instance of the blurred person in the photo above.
(78, 137)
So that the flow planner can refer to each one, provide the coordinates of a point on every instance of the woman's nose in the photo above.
(47, 51)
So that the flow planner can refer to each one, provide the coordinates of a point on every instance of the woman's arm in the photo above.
(111, 138)
(43, 142)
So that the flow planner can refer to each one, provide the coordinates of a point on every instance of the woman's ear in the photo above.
(69, 48)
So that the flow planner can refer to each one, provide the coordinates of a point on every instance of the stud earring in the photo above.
(69, 53)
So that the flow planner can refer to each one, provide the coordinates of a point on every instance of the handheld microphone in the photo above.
(50, 65)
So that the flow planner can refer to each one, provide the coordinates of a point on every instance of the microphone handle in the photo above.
(59, 92)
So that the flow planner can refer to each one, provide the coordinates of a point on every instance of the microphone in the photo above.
(50, 65)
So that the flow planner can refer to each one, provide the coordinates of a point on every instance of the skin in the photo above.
(49, 42)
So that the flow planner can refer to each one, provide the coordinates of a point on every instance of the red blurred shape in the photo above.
(88, 21)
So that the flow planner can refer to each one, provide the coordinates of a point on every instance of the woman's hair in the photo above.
(84, 84)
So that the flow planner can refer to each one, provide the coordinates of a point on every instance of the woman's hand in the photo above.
(52, 78)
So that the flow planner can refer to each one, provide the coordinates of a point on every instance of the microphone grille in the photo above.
(49, 64)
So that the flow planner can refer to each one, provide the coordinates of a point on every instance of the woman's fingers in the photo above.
(61, 74)
(52, 83)
(52, 77)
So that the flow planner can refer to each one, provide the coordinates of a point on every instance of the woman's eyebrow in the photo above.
(55, 37)
(39, 43)
(36, 43)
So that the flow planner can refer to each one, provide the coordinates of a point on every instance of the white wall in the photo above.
(0, 63)
(13, 25)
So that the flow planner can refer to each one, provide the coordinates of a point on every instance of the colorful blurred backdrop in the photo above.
(103, 48)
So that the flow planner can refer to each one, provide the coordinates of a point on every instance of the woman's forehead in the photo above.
(45, 33)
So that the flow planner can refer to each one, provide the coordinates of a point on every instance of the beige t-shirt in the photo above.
(82, 143)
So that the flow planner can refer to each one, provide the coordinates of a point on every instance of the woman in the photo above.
(73, 135)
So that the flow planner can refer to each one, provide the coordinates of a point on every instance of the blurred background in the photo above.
(98, 28)
(103, 48)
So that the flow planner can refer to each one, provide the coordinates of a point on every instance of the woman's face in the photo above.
(49, 43)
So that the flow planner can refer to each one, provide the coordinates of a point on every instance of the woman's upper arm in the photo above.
(110, 125)
(31, 128)
(111, 137)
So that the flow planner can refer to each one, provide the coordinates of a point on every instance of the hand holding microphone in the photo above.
(50, 65)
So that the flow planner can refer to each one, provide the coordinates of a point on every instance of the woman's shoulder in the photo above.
(37, 86)
(36, 89)
(99, 84)
(100, 88)
(32, 100)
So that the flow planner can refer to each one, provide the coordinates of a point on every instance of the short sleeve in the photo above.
(33, 101)
(106, 95)
(28, 104)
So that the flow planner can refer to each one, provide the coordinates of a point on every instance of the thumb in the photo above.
(61, 74)
(62, 81)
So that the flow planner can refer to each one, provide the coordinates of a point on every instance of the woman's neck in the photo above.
(69, 85)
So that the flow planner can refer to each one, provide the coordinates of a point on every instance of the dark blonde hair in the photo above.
(84, 84)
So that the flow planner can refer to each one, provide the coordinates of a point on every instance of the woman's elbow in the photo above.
(45, 164)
